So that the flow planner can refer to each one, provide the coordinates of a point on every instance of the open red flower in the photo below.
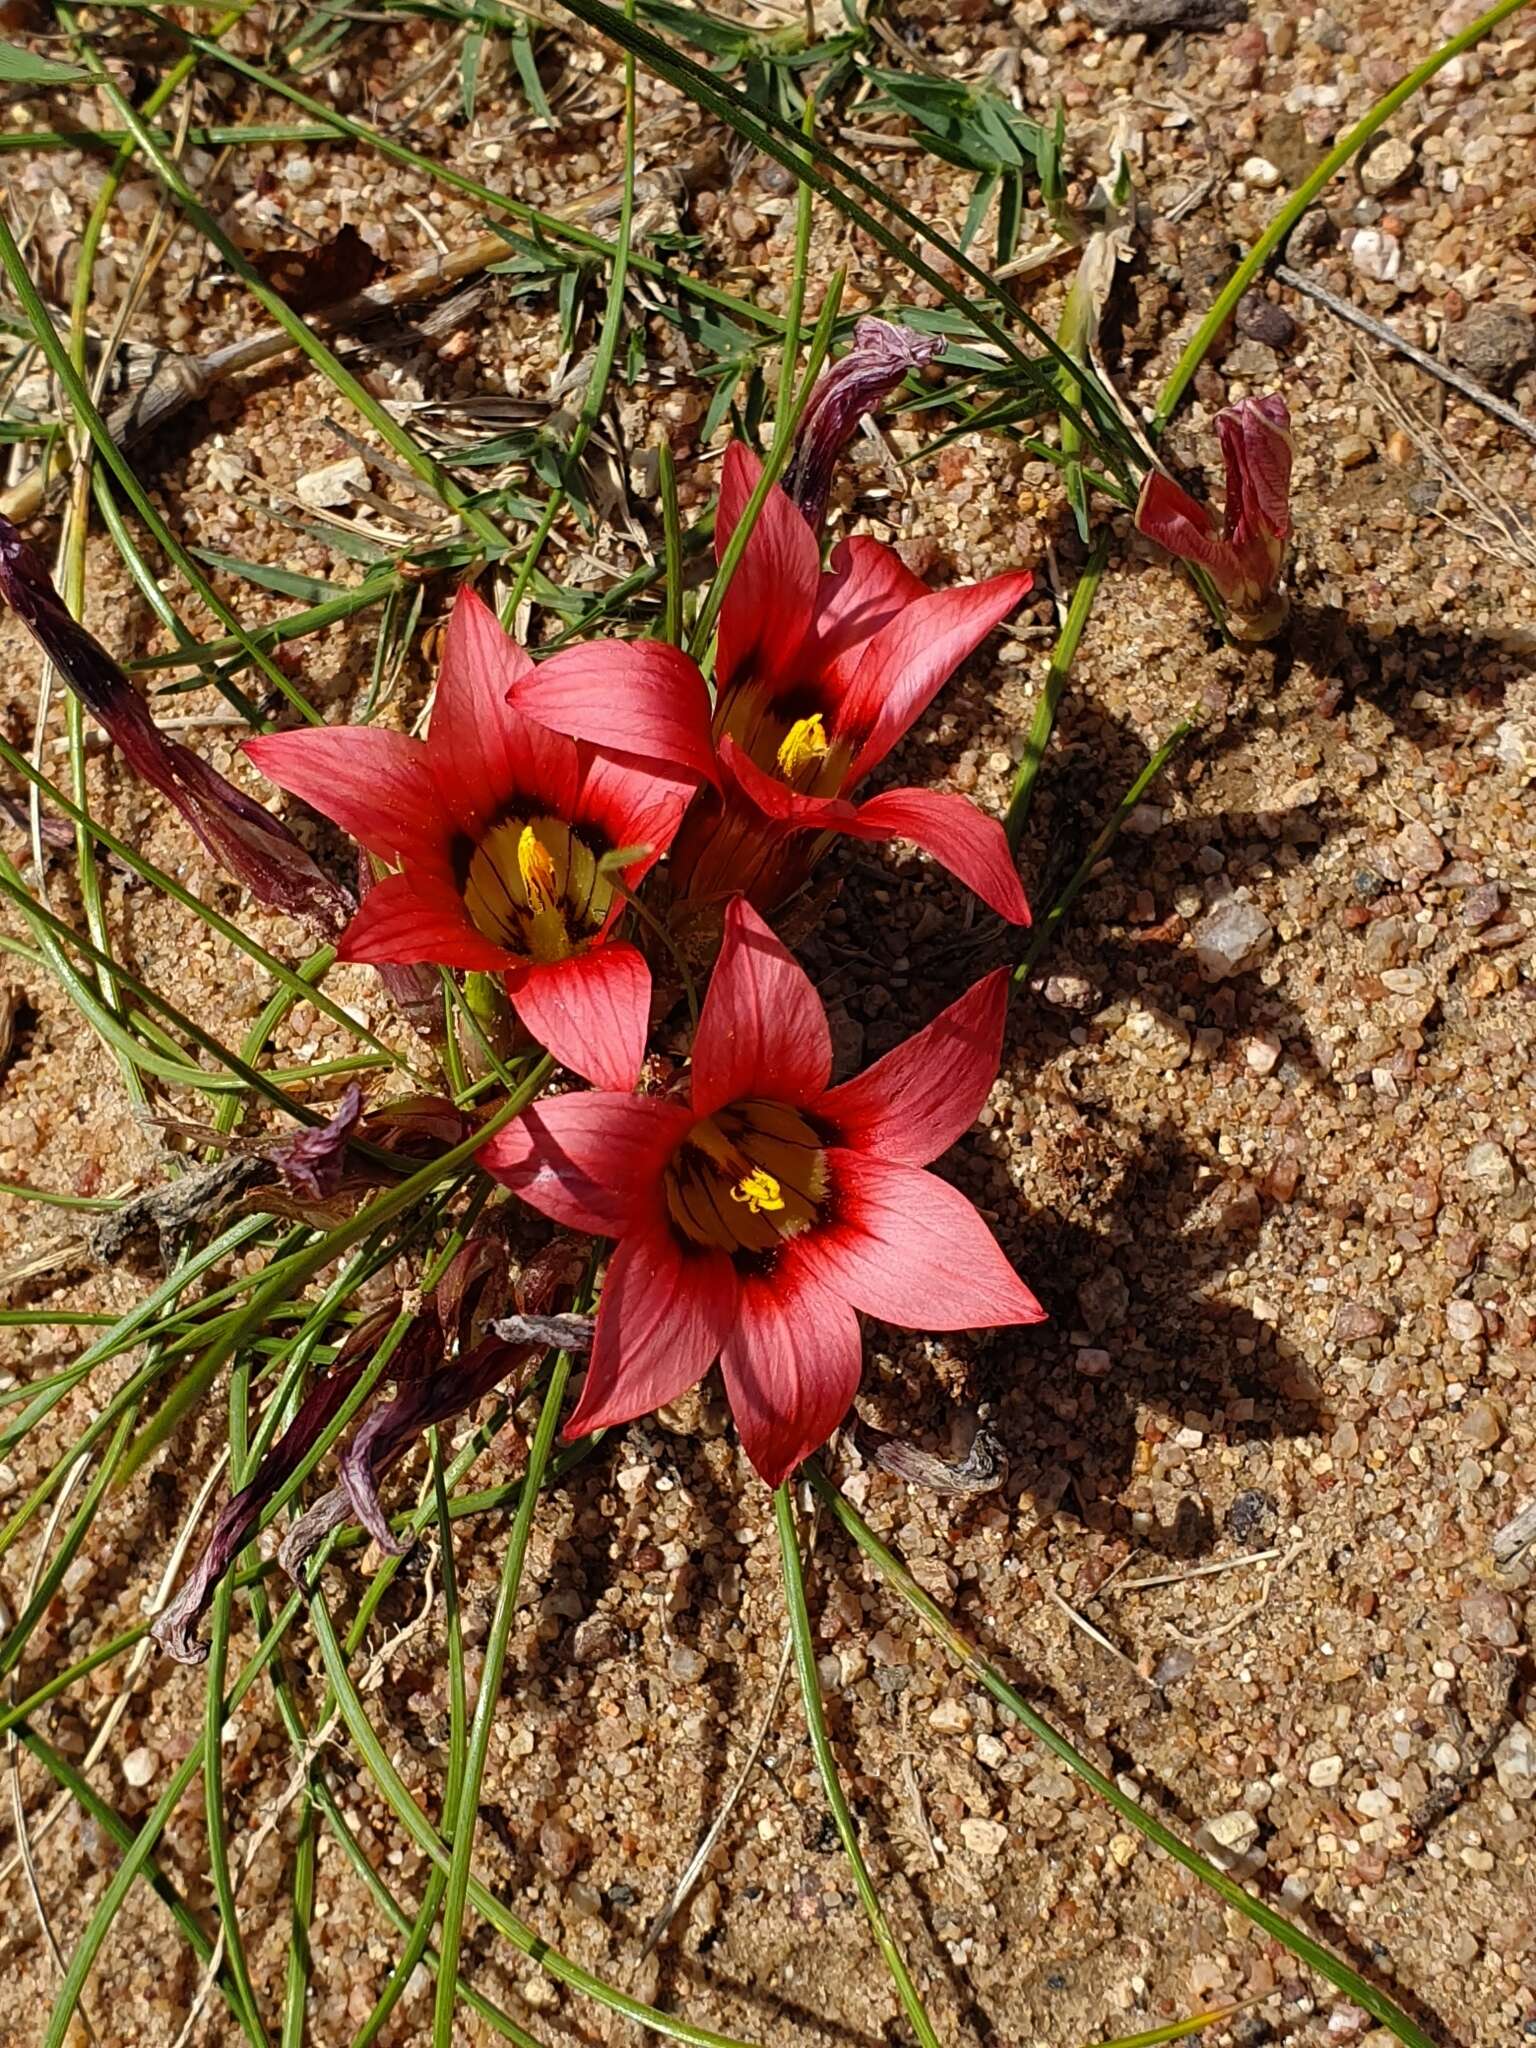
(817, 678)
(1245, 559)
(500, 828)
(758, 1218)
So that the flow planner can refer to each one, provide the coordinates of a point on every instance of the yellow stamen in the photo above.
(759, 1191)
(804, 745)
(536, 865)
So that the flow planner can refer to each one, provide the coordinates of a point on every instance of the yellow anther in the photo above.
(804, 745)
(536, 865)
(758, 1190)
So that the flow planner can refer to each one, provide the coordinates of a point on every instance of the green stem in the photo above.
(1048, 928)
(597, 384)
(672, 546)
(826, 1764)
(393, 1789)
(778, 455)
(1306, 192)
(1044, 722)
(461, 1829)
(794, 312)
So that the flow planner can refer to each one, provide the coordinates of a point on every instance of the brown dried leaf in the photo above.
(321, 275)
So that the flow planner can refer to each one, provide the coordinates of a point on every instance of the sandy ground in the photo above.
(1282, 1218)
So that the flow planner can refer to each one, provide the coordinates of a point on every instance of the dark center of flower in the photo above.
(535, 886)
(747, 1178)
(790, 735)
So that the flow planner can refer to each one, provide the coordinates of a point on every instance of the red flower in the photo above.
(500, 827)
(1244, 561)
(817, 678)
(757, 1219)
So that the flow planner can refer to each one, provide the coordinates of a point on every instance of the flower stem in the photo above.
(1348, 145)
(826, 1764)
(597, 384)
(672, 546)
(1043, 724)
(1046, 930)
(773, 467)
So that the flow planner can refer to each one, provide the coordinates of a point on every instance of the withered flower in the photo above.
(448, 1359)
(880, 358)
(253, 846)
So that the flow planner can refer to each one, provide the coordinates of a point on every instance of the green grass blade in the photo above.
(826, 1764)
(1290, 1937)
(467, 1810)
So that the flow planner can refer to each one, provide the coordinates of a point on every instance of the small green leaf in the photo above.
(24, 67)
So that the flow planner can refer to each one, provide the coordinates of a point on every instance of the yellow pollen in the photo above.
(759, 1191)
(536, 865)
(803, 745)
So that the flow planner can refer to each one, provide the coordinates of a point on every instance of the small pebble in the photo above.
(1230, 938)
(1481, 1423)
(1259, 172)
(1514, 1763)
(1325, 1771)
(1262, 1052)
(1494, 343)
(1376, 255)
(984, 1838)
(1418, 851)
(1234, 1832)
(1387, 165)
(1491, 1167)
(139, 1766)
(1489, 1618)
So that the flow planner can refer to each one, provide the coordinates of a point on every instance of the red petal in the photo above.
(909, 1248)
(866, 586)
(482, 753)
(663, 1317)
(590, 1012)
(1181, 524)
(913, 1104)
(768, 607)
(973, 847)
(907, 663)
(376, 786)
(633, 803)
(1257, 449)
(591, 1161)
(777, 801)
(406, 919)
(763, 1031)
(633, 696)
(791, 1366)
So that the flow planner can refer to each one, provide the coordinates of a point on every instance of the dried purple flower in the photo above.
(174, 1628)
(313, 1161)
(436, 1378)
(880, 358)
(253, 846)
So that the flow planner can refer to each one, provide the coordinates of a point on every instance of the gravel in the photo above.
(1261, 1271)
